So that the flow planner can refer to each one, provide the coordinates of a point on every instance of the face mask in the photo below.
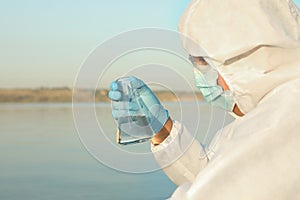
(206, 81)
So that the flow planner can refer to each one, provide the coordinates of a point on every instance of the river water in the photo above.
(42, 158)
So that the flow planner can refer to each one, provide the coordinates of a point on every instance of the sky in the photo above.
(43, 43)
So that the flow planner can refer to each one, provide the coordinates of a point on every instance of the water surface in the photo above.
(43, 158)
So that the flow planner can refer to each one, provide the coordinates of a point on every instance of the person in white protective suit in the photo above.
(255, 48)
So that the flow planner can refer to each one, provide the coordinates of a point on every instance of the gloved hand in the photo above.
(149, 103)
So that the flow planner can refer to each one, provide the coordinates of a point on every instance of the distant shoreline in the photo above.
(64, 95)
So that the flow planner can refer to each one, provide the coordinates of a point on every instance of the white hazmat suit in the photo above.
(255, 46)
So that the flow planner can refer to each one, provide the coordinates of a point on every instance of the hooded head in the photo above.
(254, 45)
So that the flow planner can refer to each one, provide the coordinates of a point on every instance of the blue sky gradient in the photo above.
(43, 43)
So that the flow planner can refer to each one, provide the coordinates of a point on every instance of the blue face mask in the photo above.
(206, 81)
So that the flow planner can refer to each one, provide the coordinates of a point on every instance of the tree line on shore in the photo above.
(64, 95)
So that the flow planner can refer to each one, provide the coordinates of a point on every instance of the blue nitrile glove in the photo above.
(151, 106)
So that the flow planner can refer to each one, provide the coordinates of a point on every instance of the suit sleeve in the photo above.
(180, 155)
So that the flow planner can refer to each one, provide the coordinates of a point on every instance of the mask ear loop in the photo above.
(210, 61)
(214, 63)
